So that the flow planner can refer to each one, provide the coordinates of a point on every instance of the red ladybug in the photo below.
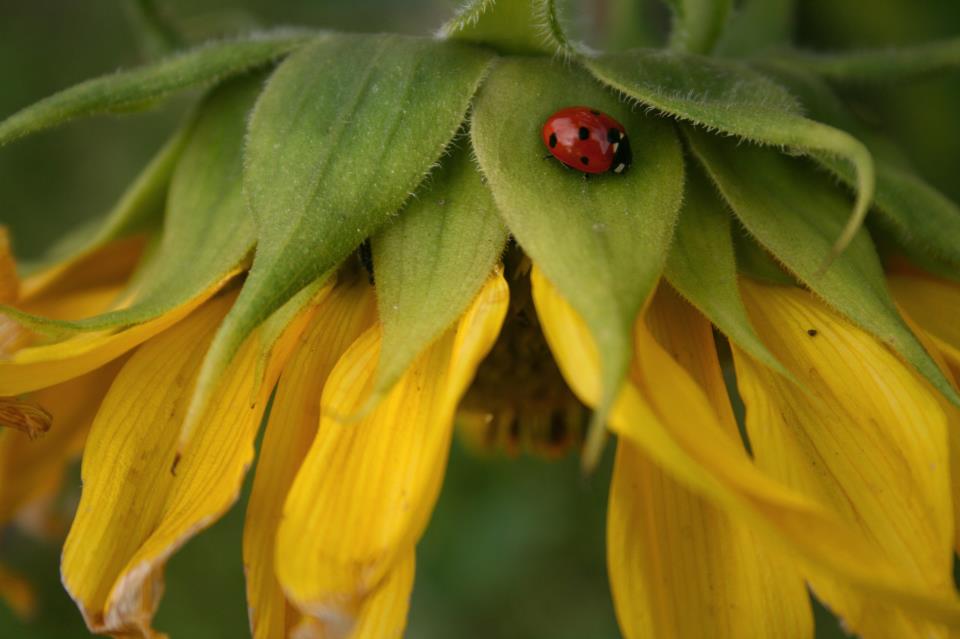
(587, 140)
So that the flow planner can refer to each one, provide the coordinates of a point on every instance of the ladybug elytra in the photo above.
(587, 140)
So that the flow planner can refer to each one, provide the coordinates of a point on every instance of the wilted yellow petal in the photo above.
(679, 566)
(134, 512)
(30, 468)
(366, 489)
(24, 416)
(678, 429)
(864, 436)
(339, 317)
(383, 615)
(41, 366)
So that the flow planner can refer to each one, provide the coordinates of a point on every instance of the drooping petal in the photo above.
(367, 487)
(339, 317)
(37, 367)
(383, 615)
(950, 365)
(862, 435)
(137, 506)
(666, 414)
(679, 566)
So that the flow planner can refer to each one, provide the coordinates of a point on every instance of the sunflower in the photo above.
(357, 240)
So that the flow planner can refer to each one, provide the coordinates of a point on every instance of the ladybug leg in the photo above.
(547, 156)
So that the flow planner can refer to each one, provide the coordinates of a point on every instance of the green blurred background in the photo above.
(515, 548)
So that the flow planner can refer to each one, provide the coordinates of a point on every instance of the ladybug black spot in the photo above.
(594, 112)
(584, 133)
(553, 140)
(584, 160)
(812, 332)
(613, 135)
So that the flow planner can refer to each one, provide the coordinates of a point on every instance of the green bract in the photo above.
(309, 144)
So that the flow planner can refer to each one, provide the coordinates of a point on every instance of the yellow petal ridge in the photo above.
(364, 494)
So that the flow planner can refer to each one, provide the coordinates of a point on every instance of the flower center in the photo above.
(518, 402)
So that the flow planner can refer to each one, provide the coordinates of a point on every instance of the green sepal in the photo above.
(139, 88)
(698, 24)
(511, 26)
(431, 260)
(602, 241)
(923, 220)
(345, 130)
(755, 262)
(207, 232)
(701, 266)
(884, 66)
(729, 97)
(794, 212)
(139, 209)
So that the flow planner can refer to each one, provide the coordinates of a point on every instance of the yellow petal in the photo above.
(134, 512)
(864, 437)
(41, 366)
(339, 317)
(934, 305)
(383, 615)
(679, 566)
(367, 487)
(667, 415)
(31, 468)
(952, 412)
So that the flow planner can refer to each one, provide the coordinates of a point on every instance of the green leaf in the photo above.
(208, 231)
(697, 24)
(702, 267)
(139, 209)
(344, 132)
(731, 98)
(602, 241)
(923, 220)
(431, 261)
(793, 212)
(885, 66)
(129, 90)
(510, 26)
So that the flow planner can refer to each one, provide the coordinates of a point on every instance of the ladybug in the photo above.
(587, 140)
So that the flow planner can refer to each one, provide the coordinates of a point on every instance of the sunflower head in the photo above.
(543, 241)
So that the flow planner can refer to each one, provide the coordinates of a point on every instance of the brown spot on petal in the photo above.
(24, 416)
